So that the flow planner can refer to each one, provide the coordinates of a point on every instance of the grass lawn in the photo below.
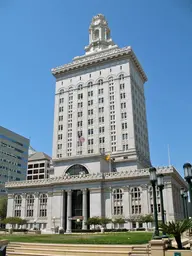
(110, 238)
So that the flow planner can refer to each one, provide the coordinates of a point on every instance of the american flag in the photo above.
(81, 138)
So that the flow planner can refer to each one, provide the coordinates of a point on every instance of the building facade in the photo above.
(101, 155)
(13, 157)
(38, 166)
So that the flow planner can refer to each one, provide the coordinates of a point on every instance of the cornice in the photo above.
(105, 55)
(91, 178)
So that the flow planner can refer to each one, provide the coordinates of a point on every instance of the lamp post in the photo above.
(188, 177)
(160, 185)
(182, 192)
(185, 196)
(153, 180)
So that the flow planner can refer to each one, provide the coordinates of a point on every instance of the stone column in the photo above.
(84, 226)
(49, 211)
(23, 206)
(69, 210)
(36, 206)
(62, 209)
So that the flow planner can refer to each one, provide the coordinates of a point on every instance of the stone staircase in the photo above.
(39, 249)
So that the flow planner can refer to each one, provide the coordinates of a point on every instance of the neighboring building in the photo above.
(13, 157)
(38, 166)
(100, 144)
(31, 151)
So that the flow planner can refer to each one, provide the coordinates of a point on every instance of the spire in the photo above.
(99, 35)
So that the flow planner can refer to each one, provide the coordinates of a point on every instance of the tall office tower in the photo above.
(13, 157)
(100, 104)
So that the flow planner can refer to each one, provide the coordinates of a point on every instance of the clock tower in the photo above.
(99, 35)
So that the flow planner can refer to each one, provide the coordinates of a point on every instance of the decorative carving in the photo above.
(127, 174)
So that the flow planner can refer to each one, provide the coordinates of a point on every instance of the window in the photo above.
(124, 136)
(30, 205)
(121, 77)
(80, 96)
(60, 109)
(71, 98)
(110, 80)
(102, 140)
(112, 97)
(90, 121)
(90, 102)
(112, 127)
(90, 112)
(90, 141)
(80, 114)
(80, 123)
(43, 205)
(122, 86)
(61, 100)
(112, 107)
(124, 126)
(69, 116)
(60, 136)
(120, 67)
(124, 115)
(113, 138)
(112, 117)
(101, 129)
(60, 127)
(122, 95)
(113, 148)
(101, 100)
(90, 93)
(80, 87)
(136, 200)
(80, 105)
(59, 146)
(90, 131)
(60, 118)
(100, 91)
(101, 119)
(101, 110)
(117, 202)
(90, 84)
(100, 82)
(90, 151)
(17, 205)
(123, 105)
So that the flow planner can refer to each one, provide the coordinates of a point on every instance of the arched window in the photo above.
(61, 91)
(121, 77)
(100, 82)
(96, 34)
(17, 205)
(90, 84)
(117, 202)
(80, 87)
(110, 80)
(77, 169)
(136, 200)
(30, 199)
(43, 205)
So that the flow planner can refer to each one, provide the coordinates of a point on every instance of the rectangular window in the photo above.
(124, 136)
(61, 100)
(113, 149)
(123, 105)
(125, 147)
(60, 118)
(101, 110)
(90, 93)
(90, 151)
(122, 95)
(59, 146)
(112, 97)
(90, 102)
(124, 115)
(90, 141)
(100, 91)
(60, 127)
(60, 136)
(101, 129)
(90, 131)
(101, 119)
(102, 140)
(122, 86)
(80, 104)
(80, 123)
(124, 126)
(69, 116)
(90, 121)
(80, 96)
(90, 112)
(60, 109)
(101, 100)
(112, 107)
(80, 114)
(112, 127)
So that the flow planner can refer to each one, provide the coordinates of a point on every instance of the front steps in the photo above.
(39, 249)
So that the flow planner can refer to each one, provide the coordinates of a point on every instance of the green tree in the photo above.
(104, 221)
(3, 207)
(176, 229)
(148, 218)
(14, 220)
(93, 221)
(119, 221)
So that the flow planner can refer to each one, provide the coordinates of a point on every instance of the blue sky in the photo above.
(38, 35)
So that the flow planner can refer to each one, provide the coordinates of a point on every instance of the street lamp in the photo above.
(182, 192)
(188, 177)
(160, 185)
(185, 196)
(153, 180)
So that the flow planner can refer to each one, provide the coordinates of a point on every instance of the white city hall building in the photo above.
(101, 153)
